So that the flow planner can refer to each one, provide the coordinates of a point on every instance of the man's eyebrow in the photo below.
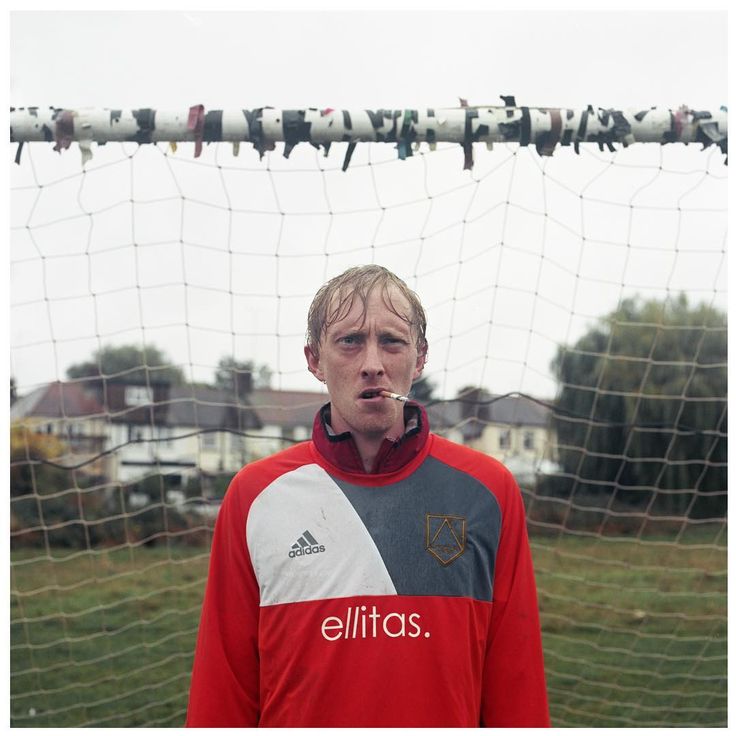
(391, 332)
(360, 328)
(347, 332)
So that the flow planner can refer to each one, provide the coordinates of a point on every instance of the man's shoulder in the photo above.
(484, 468)
(254, 477)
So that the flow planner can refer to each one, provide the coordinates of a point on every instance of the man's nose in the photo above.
(372, 361)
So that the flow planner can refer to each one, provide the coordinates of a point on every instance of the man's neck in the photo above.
(368, 448)
(368, 444)
(384, 452)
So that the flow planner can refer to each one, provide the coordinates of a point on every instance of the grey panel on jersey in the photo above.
(437, 531)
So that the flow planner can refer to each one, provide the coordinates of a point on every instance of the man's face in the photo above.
(377, 350)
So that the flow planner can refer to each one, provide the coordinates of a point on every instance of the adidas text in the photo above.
(306, 545)
(313, 550)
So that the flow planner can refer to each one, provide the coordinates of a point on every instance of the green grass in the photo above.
(634, 633)
(104, 639)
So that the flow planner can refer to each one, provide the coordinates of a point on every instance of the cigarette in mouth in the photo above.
(391, 395)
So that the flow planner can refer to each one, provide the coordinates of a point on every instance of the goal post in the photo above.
(572, 263)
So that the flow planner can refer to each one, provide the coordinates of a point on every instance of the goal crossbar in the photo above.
(543, 127)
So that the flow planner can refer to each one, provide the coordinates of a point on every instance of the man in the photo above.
(378, 575)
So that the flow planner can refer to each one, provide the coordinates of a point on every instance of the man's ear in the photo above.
(313, 363)
(421, 360)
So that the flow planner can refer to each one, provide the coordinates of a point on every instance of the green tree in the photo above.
(129, 362)
(36, 499)
(28, 450)
(642, 407)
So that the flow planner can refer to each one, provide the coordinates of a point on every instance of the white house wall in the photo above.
(187, 450)
(490, 442)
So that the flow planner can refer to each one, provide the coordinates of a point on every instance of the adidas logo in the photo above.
(306, 545)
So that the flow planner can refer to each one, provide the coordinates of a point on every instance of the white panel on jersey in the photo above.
(307, 542)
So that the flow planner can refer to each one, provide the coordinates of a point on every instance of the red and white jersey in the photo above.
(398, 598)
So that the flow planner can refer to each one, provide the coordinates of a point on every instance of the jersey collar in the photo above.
(341, 450)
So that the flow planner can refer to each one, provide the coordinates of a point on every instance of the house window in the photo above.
(134, 433)
(138, 395)
(528, 440)
(504, 439)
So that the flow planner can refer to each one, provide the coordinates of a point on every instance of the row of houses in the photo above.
(123, 431)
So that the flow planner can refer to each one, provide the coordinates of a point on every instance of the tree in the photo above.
(642, 407)
(36, 501)
(28, 450)
(241, 377)
(130, 363)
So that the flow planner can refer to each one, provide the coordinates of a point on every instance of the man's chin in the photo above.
(372, 422)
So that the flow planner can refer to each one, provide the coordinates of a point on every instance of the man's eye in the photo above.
(349, 340)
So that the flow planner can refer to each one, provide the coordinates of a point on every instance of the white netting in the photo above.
(554, 292)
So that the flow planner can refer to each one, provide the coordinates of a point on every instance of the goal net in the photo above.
(577, 327)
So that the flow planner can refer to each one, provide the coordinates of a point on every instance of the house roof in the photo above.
(204, 407)
(287, 408)
(518, 410)
(184, 406)
(58, 400)
(471, 418)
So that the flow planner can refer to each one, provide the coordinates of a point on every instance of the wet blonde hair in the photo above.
(335, 299)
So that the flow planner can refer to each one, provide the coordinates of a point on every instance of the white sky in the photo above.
(494, 320)
(367, 59)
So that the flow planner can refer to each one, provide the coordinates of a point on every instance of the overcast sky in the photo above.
(496, 314)
(367, 59)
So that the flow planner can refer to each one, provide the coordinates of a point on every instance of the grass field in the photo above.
(634, 632)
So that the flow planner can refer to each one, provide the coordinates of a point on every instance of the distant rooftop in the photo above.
(56, 400)
(470, 417)
(207, 407)
(287, 408)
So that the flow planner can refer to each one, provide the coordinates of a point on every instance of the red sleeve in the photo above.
(225, 677)
(514, 692)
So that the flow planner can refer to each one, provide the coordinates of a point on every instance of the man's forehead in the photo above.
(390, 306)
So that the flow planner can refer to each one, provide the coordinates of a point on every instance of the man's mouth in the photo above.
(371, 393)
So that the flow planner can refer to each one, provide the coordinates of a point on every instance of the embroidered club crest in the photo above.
(445, 536)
